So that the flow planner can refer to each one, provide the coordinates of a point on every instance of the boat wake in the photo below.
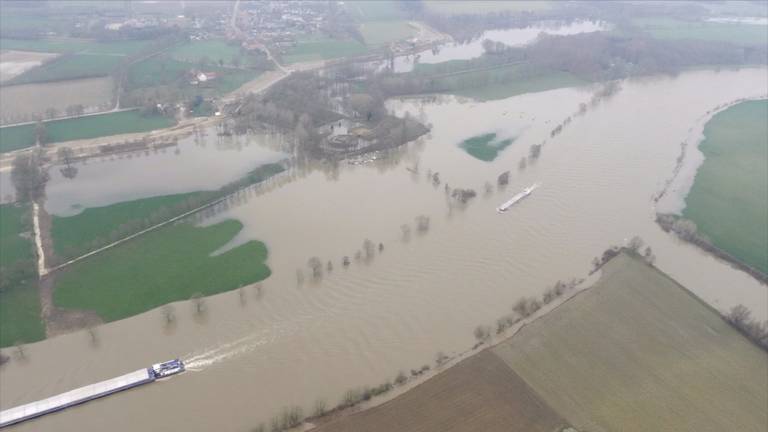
(199, 362)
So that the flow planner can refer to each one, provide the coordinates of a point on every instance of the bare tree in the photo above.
(635, 244)
(488, 188)
(369, 248)
(406, 231)
(321, 407)
(441, 358)
(241, 296)
(299, 276)
(316, 266)
(21, 351)
(169, 315)
(381, 247)
(345, 261)
(329, 266)
(503, 178)
(198, 303)
(422, 223)
(482, 333)
(93, 336)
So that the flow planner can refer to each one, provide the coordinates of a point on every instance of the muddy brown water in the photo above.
(24, 101)
(293, 344)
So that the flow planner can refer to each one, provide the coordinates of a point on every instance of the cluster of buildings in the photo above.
(280, 23)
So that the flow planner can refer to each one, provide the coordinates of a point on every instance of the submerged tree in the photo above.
(316, 266)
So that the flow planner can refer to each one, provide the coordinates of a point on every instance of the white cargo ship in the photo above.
(90, 392)
(517, 197)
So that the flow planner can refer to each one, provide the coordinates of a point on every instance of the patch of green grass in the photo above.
(379, 33)
(482, 7)
(14, 220)
(70, 67)
(166, 71)
(20, 315)
(494, 83)
(163, 266)
(64, 45)
(728, 197)
(375, 10)
(529, 84)
(213, 50)
(670, 28)
(637, 352)
(18, 137)
(323, 48)
(74, 233)
(485, 147)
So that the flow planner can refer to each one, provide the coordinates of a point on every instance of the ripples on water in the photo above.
(362, 325)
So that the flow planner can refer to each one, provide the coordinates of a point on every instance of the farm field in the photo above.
(485, 6)
(136, 277)
(638, 352)
(70, 67)
(67, 45)
(72, 235)
(20, 320)
(167, 71)
(19, 137)
(375, 10)
(14, 247)
(213, 50)
(25, 101)
(669, 28)
(727, 201)
(14, 63)
(19, 301)
(485, 147)
(494, 83)
(380, 33)
(323, 48)
(478, 394)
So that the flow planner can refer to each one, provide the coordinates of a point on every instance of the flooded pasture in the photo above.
(14, 63)
(285, 343)
(19, 103)
(202, 161)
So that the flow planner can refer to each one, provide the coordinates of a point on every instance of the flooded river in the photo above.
(511, 37)
(289, 344)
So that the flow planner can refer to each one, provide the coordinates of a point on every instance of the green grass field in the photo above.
(20, 315)
(728, 197)
(637, 353)
(214, 50)
(63, 45)
(14, 247)
(323, 48)
(70, 67)
(72, 234)
(166, 71)
(378, 10)
(485, 147)
(19, 137)
(495, 83)
(160, 267)
(379, 33)
(481, 7)
(669, 28)
(19, 301)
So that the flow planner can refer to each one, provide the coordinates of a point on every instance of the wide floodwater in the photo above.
(511, 37)
(289, 344)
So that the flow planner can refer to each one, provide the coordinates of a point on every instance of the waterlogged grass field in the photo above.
(212, 50)
(636, 353)
(170, 264)
(71, 234)
(20, 320)
(380, 33)
(19, 302)
(14, 247)
(728, 198)
(485, 147)
(67, 45)
(165, 71)
(323, 48)
(70, 67)
(19, 137)
(670, 28)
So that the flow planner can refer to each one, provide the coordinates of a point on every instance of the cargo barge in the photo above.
(517, 197)
(90, 392)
